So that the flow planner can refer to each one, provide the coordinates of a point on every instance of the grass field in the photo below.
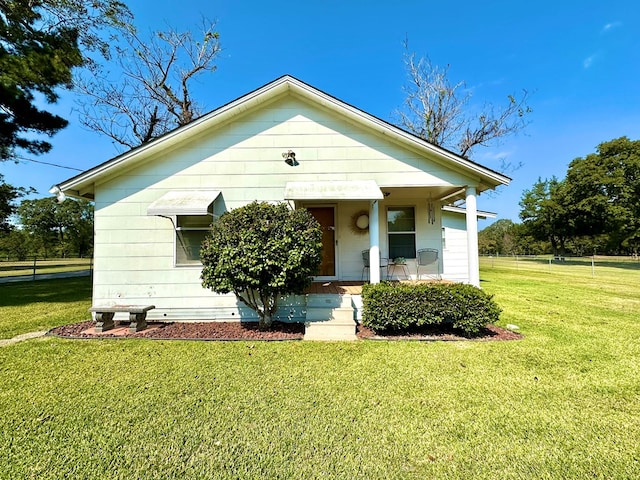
(562, 403)
(42, 305)
(18, 268)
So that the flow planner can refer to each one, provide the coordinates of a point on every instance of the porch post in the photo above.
(472, 236)
(374, 243)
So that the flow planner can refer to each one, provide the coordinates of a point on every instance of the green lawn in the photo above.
(44, 304)
(562, 403)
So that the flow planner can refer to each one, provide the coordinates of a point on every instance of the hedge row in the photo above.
(396, 307)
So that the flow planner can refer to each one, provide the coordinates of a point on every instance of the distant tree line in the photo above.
(595, 209)
(45, 228)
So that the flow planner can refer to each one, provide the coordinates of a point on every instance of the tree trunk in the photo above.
(265, 320)
(554, 245)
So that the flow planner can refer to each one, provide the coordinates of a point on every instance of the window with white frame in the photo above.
(191, 231)
(191, 213)
(401, 231)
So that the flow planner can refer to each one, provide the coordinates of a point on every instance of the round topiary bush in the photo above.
(260, 252)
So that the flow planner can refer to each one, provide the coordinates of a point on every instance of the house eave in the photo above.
(486, 176)
(87, 179)
(83, 184)
(481, 213)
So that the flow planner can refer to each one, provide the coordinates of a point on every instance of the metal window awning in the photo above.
(186, 202)
(333, 190)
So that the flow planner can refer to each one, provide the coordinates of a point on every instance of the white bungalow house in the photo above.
(372, 186)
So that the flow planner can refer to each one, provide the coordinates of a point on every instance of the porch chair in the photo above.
(384, 263)
(428, 258)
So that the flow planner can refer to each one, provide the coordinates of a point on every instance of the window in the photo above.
(401, 228)
(190, 233)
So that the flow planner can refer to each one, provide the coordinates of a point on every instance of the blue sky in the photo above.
(579, 59)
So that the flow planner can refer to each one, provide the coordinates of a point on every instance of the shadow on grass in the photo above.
(58, 290)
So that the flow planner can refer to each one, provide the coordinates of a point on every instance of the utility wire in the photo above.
(48, 163)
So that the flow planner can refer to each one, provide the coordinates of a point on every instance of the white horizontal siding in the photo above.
(455, 254)
(134, 252)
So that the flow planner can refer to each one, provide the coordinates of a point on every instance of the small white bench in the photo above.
(137, 316)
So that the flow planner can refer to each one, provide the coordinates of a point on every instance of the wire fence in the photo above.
(35, 267)
(583, 266)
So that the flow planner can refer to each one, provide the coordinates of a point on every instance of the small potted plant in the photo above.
(399, 261)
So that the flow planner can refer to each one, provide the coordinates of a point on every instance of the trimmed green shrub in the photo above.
(396, 307)
(261, 252)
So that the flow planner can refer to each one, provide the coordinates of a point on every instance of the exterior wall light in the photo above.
(290, 158)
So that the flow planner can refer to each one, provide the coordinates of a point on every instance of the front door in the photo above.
(326, 218)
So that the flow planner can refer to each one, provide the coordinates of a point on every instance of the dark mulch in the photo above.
(443, 333)
(189, 330)
(250, 331)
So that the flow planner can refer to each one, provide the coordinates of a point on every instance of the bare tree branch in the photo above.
(153, 91)
(440, 112)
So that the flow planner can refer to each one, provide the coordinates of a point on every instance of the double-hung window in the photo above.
(191, 231)
(191, 215)
(401, 230)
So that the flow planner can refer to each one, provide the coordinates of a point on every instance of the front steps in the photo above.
(330, 317)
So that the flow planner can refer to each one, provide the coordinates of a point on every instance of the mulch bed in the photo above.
(250, 331)
(490, 333)
(187, 331)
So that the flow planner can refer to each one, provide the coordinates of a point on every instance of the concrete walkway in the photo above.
(20, 338)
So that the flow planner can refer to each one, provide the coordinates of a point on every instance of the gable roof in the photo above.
(81, 185)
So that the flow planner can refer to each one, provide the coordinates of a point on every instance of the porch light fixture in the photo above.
(290, 158)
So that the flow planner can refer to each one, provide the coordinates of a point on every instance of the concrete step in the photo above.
(330, 324)
(321, 314)
(330, 330)
(329, 317)
(332, 300)
(356, 302)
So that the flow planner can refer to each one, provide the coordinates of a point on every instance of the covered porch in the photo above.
(366, 227)
(350, 287)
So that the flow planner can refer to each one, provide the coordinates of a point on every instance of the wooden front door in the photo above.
(326, 218)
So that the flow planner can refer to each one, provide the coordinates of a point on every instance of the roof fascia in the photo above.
(220, 115)
(264, 94)
(392, 131)
(460, 210)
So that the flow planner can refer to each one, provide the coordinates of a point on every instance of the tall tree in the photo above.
(544, 213)
(38, 218)
(440, 111)
(32, 61)
(41, 42)
(499, 237)
(604, 189)
(149, 92)
(8, 196)
(15, 244)
(65, 228)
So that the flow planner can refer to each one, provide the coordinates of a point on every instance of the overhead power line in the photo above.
(47, 163)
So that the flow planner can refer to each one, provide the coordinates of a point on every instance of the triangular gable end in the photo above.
(83, 184)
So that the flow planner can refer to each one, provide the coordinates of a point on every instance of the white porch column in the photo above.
(374, 243)
(472, 237)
